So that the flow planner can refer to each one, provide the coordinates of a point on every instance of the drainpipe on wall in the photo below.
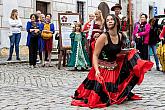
(130, 19)
(120, 2)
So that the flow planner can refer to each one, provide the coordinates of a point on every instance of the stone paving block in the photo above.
(1, 78)
(27, 81)
(10, 108)
(54, 89)
(44, 82)
(21, 81)
(33, 81)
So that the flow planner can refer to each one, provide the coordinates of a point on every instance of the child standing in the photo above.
(79, 57)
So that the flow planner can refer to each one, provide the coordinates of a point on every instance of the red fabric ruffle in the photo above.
(95, 92)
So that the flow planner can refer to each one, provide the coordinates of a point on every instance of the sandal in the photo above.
(43, 65)
(50, 65)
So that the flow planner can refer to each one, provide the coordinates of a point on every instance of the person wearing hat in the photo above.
(117, 8)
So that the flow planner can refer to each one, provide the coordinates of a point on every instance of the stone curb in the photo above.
(13, 62)
(22, 61)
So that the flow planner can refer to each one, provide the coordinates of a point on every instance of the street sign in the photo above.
(155, 11)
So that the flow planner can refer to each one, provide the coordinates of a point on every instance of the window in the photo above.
(42, 6)
(80, 9)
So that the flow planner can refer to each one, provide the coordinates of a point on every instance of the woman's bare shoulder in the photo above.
(103, 35)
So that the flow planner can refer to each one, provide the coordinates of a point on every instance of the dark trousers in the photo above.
(40, 55)
(143, 49)
(33, 48)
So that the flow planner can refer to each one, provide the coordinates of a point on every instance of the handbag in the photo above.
(139, 41)
(46, 35)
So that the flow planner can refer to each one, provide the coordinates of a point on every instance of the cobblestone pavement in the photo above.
(22, 88)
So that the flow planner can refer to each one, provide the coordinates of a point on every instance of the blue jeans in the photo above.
(153, 47)
(14, 40)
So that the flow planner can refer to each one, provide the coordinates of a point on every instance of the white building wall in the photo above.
(143, 6)
(161, 6)
(27, 7)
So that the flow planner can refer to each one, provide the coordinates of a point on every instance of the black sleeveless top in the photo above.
(109, 51)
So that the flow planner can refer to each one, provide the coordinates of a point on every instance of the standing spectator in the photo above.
(43, 17)
(163, 22)
(86, 30)
(161, 49)
(38, 13)
(135, 24)
(162, 34)
(41, 21)
(33, 29)
(154, 39)
(141, 34)
(117, 8)
(15, 29)
(88, 24)
(124, 24)
(97, 26)
(47, 35)
(79, 57)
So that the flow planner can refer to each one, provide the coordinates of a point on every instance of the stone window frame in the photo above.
(83, 5)
(49, 5)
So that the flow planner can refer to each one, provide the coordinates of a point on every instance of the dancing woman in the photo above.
(114, 72)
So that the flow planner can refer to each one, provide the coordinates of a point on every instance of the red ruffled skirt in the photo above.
(112, 86)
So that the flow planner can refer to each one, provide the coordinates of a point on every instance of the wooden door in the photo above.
(42, 6)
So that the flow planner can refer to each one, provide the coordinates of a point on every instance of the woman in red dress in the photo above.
(97, 26)
(113, 75)
(86, 30)
(88, 24)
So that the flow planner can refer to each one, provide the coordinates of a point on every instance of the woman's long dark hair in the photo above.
(116, 19)
(123, 38)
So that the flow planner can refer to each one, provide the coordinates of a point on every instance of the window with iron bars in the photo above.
(80, 9)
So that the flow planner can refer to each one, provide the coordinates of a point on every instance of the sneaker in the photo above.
(43, 65)
(18, 58)
(38, 62)
(9, 59)
(157, 68)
